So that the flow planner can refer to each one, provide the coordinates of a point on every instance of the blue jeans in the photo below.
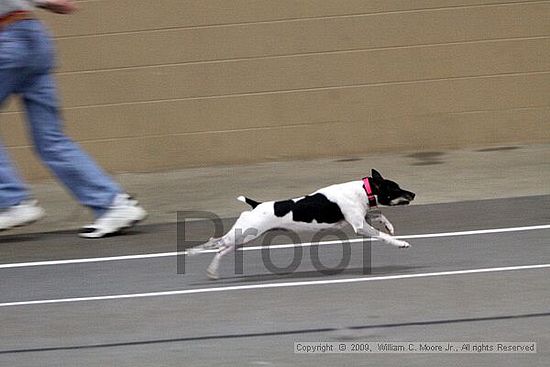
(26, 61)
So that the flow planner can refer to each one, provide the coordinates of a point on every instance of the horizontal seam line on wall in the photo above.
(312, 18)
(260, 128)
(304, 54)
(351, 86)
(282, 127)
(306, 90)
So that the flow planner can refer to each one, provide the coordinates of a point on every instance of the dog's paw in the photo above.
(193, 251)
(212, 273)
(212, 244)
(196, 250)
(405, 245)
(402, 244)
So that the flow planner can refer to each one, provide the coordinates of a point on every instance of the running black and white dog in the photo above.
(332, 207)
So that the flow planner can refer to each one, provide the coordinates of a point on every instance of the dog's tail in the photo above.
(252, 203)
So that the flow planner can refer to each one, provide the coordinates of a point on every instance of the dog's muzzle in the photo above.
(403, 200)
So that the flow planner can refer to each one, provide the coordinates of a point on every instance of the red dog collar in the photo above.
(368, 191)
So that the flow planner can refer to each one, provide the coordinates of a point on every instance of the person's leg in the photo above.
(12, 189)
(76, 169)
(12, 55)
(114, 210)
(15, 208)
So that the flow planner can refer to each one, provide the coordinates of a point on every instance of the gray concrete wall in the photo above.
(152, 85)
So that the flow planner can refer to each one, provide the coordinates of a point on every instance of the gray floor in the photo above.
(258, 326)
(435, 176)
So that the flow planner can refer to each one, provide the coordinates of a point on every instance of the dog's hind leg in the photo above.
(247, 228)
(212, 271)
(228, 244)
(211, 244)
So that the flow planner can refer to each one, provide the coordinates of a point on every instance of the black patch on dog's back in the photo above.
(315, 207)
(282, 208)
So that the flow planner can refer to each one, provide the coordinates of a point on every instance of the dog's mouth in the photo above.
(400, 201)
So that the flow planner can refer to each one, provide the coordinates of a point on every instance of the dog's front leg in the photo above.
(381, 218)
(369, 231)
(362, 228)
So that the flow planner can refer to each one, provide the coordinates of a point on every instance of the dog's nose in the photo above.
(412, 194)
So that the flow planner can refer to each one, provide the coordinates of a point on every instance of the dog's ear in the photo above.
(376, 175)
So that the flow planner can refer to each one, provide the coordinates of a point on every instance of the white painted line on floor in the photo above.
(273, 285)
(272, 247)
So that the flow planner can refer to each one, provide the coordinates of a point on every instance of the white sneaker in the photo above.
(123, 213)
(26, 212)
